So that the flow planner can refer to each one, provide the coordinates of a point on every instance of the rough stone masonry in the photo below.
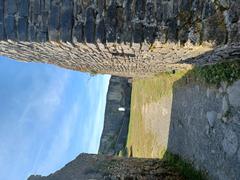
(121, 37)
(99, 167)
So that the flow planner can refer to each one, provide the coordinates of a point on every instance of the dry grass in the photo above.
(146, 91)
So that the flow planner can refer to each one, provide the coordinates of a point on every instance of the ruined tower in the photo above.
(122, 37)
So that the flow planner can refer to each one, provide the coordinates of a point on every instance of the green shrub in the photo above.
(184, 168)
(222, 72)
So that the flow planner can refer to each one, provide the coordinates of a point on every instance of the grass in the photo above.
(184, 168)
(151, 89)
(146, 91)
(213, 75)
(143, 142)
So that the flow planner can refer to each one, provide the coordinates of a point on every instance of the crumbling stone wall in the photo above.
(204, 127)
(115, 131)
(123, 37)
(99, 167)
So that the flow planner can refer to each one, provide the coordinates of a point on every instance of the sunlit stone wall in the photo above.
(122, 37)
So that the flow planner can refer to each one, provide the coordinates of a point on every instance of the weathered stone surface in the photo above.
(100, 30)
(225, 105)
(99, 167)
(230, 142)
(139, 38)
(10, 27)
(90, 25)
(111, 22)
(219, 18)
(2, 35)
(23, 8)
(22, 28)
(114, 135)
(234, 94)
(54, 22)
(213, 149)
(11, 7)
(66, 21)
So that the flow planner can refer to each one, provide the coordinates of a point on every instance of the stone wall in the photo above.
(197, 121)
(115, 131)
(123, 37)
(99, 167)
(204, 128)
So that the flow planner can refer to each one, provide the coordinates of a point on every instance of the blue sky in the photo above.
(48, 115)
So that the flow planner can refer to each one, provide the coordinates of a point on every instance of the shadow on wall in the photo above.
(205, 120)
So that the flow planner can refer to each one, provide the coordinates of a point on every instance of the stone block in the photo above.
(78, 31)
(11, 7)
(54, 22)
(36, 6)
(1, 15)
(172, 29)
(150, 33)
(2, 4)
(111, 22)
(101, 31)
(31, 33)
(66, 22)
(150, 13)
(90, 25)
(23, 8)
(42, 36)
(10, 27)
(2, 34)
(138, 35)
(208, 9)
(140, 9)
(22, 28)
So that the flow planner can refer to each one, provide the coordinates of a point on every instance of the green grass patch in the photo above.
(184, 168)
(151, 89)
(215, 74)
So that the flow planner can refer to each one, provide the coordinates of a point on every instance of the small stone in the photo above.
(230, 142)
(211, 117)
